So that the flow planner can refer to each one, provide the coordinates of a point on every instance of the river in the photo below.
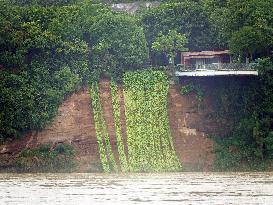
(166, 188)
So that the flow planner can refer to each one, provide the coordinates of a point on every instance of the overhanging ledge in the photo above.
(217, 73)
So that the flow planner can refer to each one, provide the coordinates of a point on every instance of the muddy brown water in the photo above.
(166, 188)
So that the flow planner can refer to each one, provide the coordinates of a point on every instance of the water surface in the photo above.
(168, 188)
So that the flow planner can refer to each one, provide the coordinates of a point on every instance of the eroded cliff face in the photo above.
(74, 124)
(193, 147)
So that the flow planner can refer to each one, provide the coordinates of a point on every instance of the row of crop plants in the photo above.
(149, 141)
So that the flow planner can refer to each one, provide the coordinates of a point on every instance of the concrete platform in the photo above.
(217, 73)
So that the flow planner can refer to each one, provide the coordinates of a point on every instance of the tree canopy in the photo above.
(186, 17)
(246, 25)
(117, 42)
(48, 52)
(170, 44)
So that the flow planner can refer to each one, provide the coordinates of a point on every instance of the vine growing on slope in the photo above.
(150, 146)
(116, 113)
(105, 150)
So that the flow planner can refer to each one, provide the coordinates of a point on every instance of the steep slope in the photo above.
(75, 125)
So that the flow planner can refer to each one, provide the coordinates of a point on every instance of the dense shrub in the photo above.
(251, 141)
(46, 158)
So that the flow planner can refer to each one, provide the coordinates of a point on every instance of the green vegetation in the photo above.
(105, 149)
(46, 158)
(149, 142)
(49, 52)
(150, 146)
(187, 17)
(250, 106)
(38, 68)
(196, 89)
(186, 89)
(49, 49)
(118, 43)
(170, 44)
(42, 2)
(244, 25)
(116, 112)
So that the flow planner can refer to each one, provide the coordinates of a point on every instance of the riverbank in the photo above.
(191, 124)
(74, 125)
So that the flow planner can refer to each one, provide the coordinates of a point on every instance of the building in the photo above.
(202, 58)
(212, 63)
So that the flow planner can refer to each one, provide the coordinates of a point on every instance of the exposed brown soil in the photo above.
(193, 147)
(123, 118)
(74, 124)
(106, 102)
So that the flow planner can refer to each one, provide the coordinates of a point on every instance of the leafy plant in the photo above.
(170, 44)
(116, 112)
(186, 89)
(186, 17)
(150, 146)
(105, 150)
(38, 68)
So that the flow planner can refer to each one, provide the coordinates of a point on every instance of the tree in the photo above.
(247, 41)
(38, 68)
(187, 17)
(170, 44)
(117, 42)
(248, 27)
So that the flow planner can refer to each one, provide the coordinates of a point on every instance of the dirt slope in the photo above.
(74, 124)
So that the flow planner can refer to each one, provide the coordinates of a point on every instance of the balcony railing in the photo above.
(218, 66)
